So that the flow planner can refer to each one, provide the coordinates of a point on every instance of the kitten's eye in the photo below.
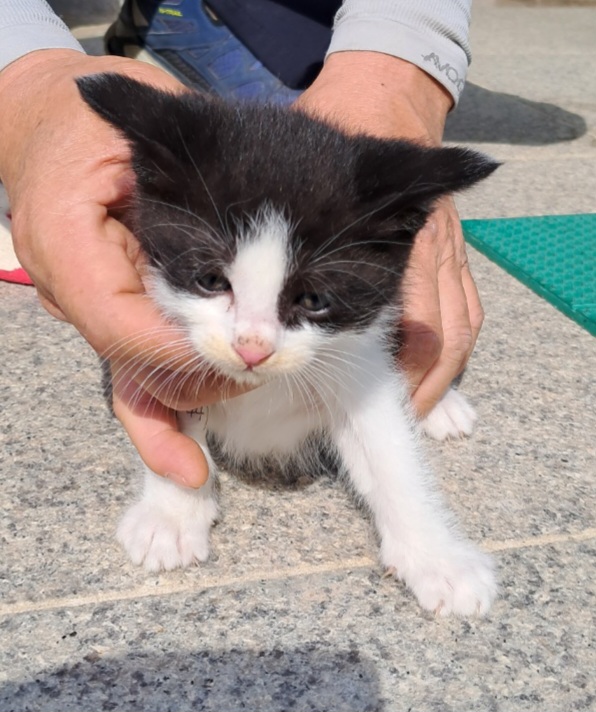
(312, 302)
(214, 282)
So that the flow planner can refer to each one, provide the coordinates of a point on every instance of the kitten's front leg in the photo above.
(419, 542)
(169, 526)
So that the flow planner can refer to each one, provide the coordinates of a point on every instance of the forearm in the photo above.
(30, 25)
(431, 34)
(375, 93)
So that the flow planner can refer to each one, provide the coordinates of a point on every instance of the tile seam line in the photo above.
(147, 591)
(296, 571)
(540, 540)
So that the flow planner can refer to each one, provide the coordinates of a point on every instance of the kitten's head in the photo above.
(271, 235)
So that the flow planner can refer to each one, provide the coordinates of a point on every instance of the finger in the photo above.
(178, 390)
(108, 305)
(153, 430)
(99, 289)
(50, 306)
(475, 310)
(104, 297)
(421, 324)
(422, 346)
(457, 342)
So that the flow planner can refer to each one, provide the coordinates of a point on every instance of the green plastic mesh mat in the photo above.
(554, 255)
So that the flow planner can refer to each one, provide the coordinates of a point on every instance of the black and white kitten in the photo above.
(279, 244)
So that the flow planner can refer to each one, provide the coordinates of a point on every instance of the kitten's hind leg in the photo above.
(420, 543)
(452, 417)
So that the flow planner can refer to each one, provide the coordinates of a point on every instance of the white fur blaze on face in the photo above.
(257, 277)
(238, 333)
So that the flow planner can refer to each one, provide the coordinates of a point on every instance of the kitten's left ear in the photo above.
(400, 177)
(148, 118)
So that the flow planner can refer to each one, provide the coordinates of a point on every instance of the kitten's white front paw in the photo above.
(165, 540)
(452, 417)
(461, 582)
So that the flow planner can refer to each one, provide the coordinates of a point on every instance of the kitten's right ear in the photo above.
(404, 179)
(146, 117)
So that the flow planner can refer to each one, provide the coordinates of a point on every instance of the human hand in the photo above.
(442, 314)
(374, 93)
(65, 170)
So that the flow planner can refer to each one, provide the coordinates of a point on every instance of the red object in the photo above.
(18, 276)
(10, 270)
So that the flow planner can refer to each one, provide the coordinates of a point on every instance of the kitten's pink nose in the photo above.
(253, 351)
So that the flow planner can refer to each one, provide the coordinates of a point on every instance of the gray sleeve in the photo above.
(28, 25)
(432, 34)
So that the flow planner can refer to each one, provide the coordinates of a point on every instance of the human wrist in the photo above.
(23, 84)
(39, 89)
(39, 59)
(377, 93)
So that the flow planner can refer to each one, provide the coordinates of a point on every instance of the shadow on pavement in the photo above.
(222, 681)
(484, 116)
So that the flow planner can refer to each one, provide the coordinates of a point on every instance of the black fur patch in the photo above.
(205, 167)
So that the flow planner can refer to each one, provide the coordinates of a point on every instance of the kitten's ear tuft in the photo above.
(119, 100)
(456, 168)
(409, 178)
(138, 110)
(147, 117)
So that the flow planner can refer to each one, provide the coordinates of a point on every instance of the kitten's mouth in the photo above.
(249, 376)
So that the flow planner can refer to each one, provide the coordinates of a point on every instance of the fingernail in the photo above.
(178, 479)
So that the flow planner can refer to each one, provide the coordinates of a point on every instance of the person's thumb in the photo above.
(153, 430)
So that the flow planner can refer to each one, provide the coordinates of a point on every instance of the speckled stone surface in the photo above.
(317, 642)
(291, 613)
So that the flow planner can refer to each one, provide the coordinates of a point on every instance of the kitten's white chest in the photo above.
(273, 419)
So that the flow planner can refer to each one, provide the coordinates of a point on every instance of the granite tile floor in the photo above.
(292, 612)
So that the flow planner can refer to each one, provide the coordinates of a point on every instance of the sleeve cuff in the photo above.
(434, 52)
(19, 40)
